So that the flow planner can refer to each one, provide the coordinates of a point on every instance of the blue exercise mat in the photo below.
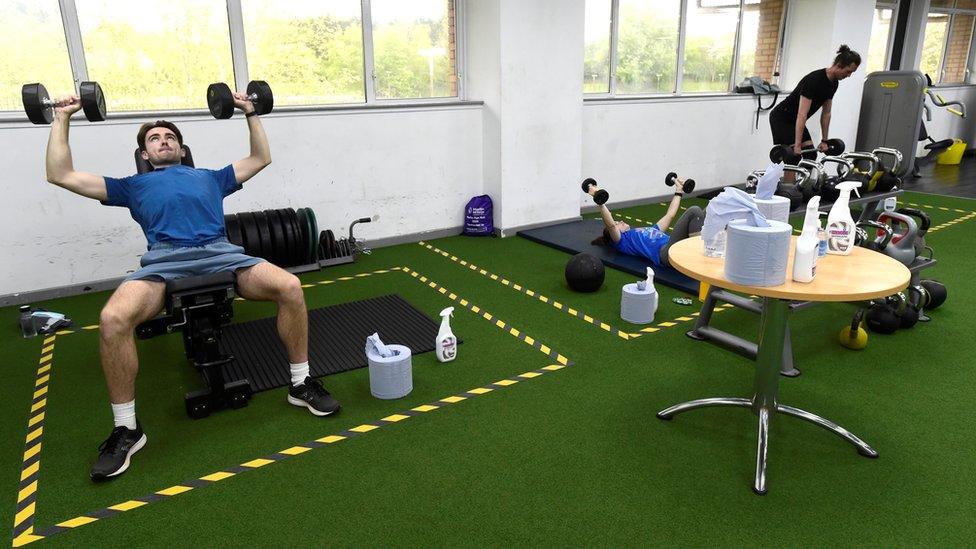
(575, 236)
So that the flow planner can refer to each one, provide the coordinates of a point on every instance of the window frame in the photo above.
(970, 57)
(612, 92)
(238, 47)
(890, 46)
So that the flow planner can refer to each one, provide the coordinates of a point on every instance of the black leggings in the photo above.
(690, 222)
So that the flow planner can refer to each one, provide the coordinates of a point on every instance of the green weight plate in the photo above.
(313, 229)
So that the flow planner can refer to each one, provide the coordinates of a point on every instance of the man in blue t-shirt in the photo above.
(652, 242)
(180, 210)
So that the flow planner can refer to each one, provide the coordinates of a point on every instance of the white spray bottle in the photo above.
(446, 345)
(840, 223)
(647, 286)
(805, 257)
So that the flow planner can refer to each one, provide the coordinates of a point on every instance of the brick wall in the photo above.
(767, 43)
(957, 53)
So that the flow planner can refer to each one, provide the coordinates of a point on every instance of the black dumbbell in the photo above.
(221, 100)
(600, 196)
(687, 185)
(784, 153)
(40, 107)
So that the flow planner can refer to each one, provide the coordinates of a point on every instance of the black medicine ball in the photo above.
(584, 273)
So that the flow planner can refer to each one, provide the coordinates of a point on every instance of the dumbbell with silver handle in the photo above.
(40, 107)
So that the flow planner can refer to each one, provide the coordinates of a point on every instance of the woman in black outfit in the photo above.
(815, 90)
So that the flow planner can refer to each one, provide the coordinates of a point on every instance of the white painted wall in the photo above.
(525, 62)
(815, 29)
(629, 147)
(415, 168)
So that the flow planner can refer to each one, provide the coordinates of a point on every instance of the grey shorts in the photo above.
(166, 261)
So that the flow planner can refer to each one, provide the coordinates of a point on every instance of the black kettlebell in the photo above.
(882, 319)
(863, 239)
(887, 181)
(907, 313)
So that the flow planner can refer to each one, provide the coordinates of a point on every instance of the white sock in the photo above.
(125, 414)
(298, 373)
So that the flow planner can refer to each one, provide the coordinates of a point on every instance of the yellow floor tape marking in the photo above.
(331, 439)
(128, 505)
(174, 490)
(214, 477)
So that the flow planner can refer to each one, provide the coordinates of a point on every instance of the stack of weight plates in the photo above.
(285, 237)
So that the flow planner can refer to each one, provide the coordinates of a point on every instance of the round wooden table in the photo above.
(862, 275)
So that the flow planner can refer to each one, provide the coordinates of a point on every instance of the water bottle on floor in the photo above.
(27, 328)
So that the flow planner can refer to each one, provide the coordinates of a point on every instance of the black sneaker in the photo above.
(114, 453)
(313, 396)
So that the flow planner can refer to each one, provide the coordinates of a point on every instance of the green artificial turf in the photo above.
(572, 457)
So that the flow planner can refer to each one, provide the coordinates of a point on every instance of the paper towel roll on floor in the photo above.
(390, 377)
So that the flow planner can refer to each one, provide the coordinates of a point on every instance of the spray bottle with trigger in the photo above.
(840, 223)
(446, 345)
(805, 255)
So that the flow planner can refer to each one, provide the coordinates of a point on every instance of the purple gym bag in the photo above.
(478, 217)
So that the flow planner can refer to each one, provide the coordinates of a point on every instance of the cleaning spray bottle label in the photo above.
(446, 345)
(839, 236)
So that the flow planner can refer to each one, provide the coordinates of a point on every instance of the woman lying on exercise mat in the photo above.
(649, 242)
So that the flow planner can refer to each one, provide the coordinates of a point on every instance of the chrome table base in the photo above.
(764, 401)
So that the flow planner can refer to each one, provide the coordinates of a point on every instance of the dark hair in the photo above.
(605, 240)
(846, 56)
(141, 136)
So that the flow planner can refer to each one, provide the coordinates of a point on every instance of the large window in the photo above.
(155, 55)
(596, 60)
(163, 55)
(310, 52)
(947, 47)
(413, 48)
(33, 49)
(879, 49)
(651, 47)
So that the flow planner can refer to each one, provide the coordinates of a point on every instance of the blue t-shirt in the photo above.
(178, 204)
(644, 242)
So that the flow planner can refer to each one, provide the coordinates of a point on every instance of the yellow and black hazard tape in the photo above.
(31, 467)
(569, 310)
(501, 324)
(276, 457)
(530, 292)
(943, 208)
(948, 224)
(27, 534)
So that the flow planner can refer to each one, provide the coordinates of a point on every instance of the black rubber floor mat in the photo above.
(574, 237)
(336, 340)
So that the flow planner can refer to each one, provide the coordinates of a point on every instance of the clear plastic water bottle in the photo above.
(822, 249)
(716, 247)
(27, 328)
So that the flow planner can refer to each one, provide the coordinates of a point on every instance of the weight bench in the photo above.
(199, 306)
